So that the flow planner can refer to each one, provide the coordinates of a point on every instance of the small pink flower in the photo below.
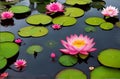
(53, 55)
(20, 64)
(3, 75)
(6, 15)
(18, 41)
(55, 7)
(78, 45)
(56, 26)
(110, 11)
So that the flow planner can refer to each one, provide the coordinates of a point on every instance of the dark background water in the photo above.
(42, 67)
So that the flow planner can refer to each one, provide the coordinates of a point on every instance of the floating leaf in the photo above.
(37, 19)
(8, 3)
(83, 56)
(105, 73)
(79, 2)
(98, 4)
(68, 60)
(73, 12)
(117, 24)
(110, 58)
(33, 31)
(106, 26)
(94, 20)
(71, 73)
(8, 49)
(90, 29)
(19, 9)
(6, 36)
(34, 49)
(64, 20)
(3, 62)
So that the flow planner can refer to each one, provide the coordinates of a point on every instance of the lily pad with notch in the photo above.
(110, 58)
(6, 36)
(38, 19)
(73, 12)
(33, 31)
(8, 49)
(70, 73)
(68, 60)
(106, 26)
(79, 2)
(94, 21)
(3, 62)
(102, 72)
(64, 20)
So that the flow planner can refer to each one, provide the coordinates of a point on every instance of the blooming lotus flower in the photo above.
(56, 26)
(55, 7)
(78, 45)
(20, 64)
(110, 11)
(3, 75)
(6, 15)
(18, 41)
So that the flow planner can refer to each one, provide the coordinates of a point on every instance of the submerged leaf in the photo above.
(68, 60)
(71, 73)
(90, 29)
(64, 20)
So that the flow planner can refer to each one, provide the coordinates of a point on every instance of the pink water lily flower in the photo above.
(18, 41)
(3, 75)
(20, 64)
(52, 55)
(6, 15)
(55, 7)
(110, 11)
(78, 45)
(56, 26)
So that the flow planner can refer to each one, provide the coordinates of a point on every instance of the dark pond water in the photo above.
(42, 67)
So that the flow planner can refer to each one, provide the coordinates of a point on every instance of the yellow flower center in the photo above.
(78, 43)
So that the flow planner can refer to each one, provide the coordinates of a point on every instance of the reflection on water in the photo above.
(43, 64)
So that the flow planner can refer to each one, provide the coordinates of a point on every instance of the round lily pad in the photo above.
(106, 26)
(105, 73)
(90, 29)
(8, 3)
(64, 20)
(19, 9)
(34, 49)
(94, 20)
(3, 62)
(8, 49)
(6, 36)
(79, 2)
(33, 31)
(68, 60)
(37, 19)
(73, 12)
(110, 58)
(71, 73)
(117, 24)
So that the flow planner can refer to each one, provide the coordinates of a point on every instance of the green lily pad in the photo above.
(79, 2)
(37, 19)
(83, 56)
(106, 26)
(73, 12)
(34, 49)
(68, 60)
(9, 3)
(33, 31)
(6, 36)
(90, 29)
(105, 73)
(71, 73)
(3, 62)
(110, 58)
(8, 49)
(94, 20)
(19, 9)
(117, 24)
(64, 20)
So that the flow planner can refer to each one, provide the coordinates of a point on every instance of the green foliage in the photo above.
(79, 2)
(90, 29)
(3, 62)
(106, 26)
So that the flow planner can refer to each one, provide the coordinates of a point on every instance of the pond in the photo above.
(42, 66)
